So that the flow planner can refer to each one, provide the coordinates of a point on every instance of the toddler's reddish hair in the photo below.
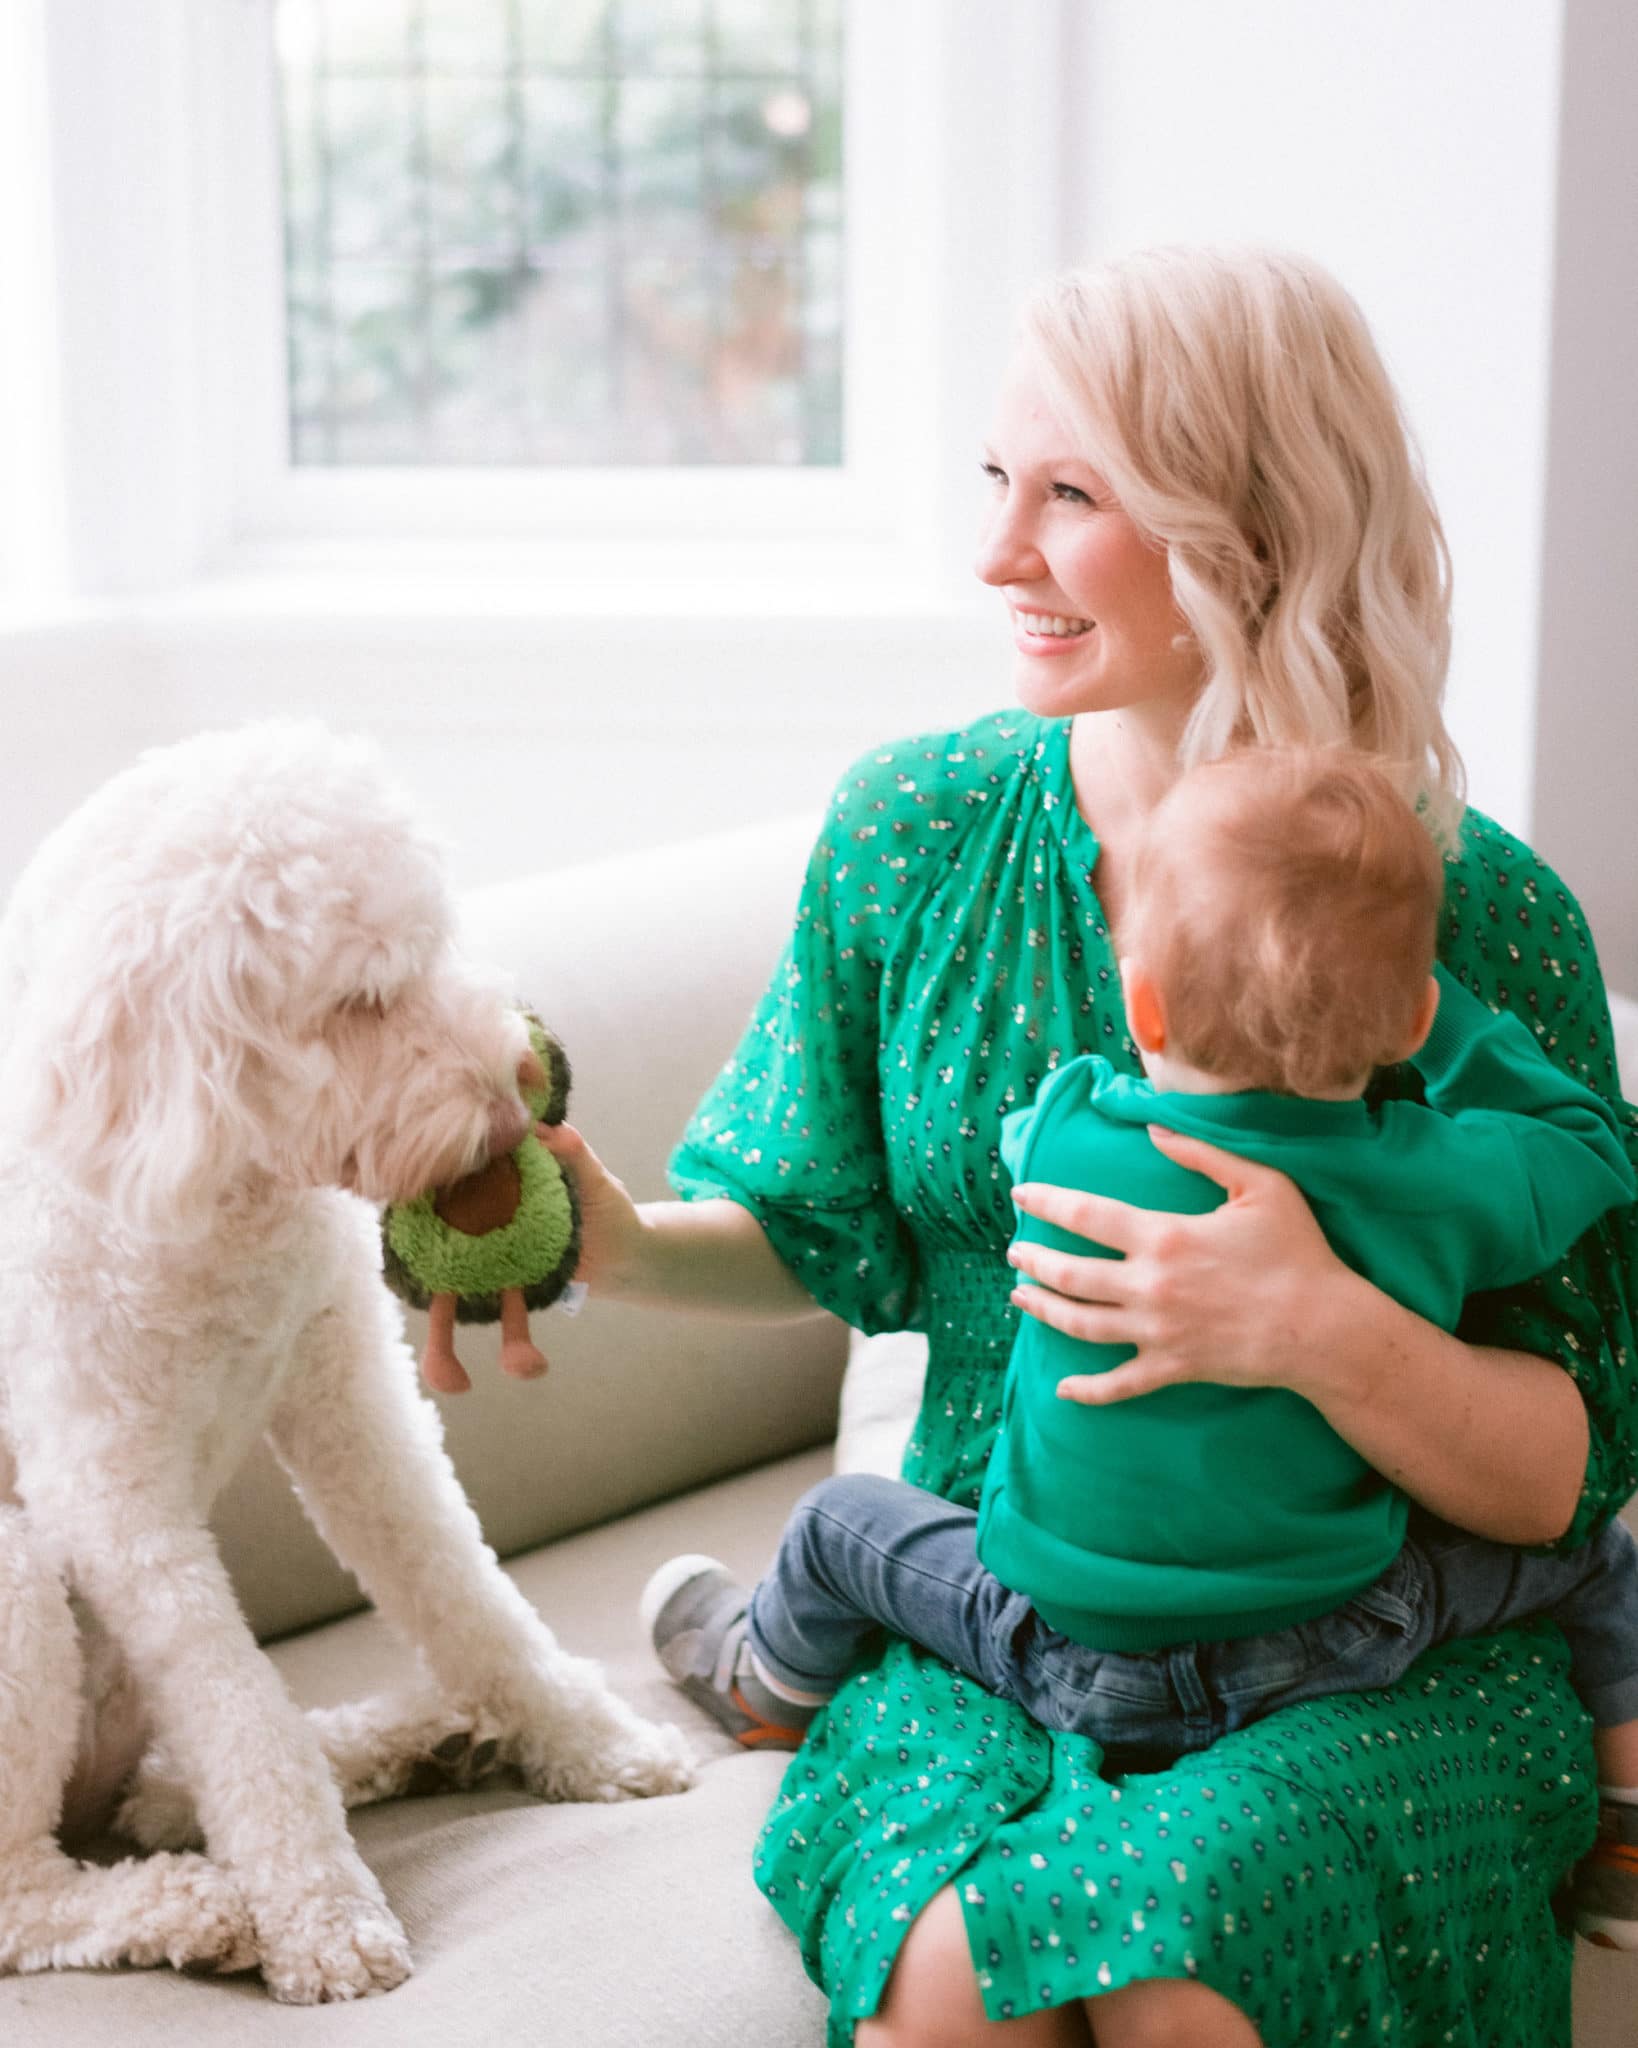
(1285, 903)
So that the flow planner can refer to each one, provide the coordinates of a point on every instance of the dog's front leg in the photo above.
(366, 1454)
(135, 1548)
(56, 1912)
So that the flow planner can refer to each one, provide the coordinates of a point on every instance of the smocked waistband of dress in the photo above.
(964, 1302)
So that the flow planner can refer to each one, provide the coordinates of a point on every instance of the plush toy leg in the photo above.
(518, 1354)
(440, 1368)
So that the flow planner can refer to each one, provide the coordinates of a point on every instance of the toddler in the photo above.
(1156, 1572)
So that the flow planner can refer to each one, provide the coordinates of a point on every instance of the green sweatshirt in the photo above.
(1206, 1512)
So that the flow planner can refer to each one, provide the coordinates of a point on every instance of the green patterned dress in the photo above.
(1375, 1867)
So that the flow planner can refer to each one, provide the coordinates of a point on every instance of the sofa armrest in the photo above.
(647, 967)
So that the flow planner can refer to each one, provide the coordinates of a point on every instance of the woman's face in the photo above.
(1093, 617)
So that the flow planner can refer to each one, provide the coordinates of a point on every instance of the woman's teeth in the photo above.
(1043, 622)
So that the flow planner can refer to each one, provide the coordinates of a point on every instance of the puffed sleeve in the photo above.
(791, 1128)
(1517, 938)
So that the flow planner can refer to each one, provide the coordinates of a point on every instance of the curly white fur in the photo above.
(229, 1010)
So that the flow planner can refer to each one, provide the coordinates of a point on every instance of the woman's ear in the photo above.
(1145, 1010)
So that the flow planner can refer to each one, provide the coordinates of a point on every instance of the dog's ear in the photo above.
(125, 1064)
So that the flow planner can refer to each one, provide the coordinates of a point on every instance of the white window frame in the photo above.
(167, 326)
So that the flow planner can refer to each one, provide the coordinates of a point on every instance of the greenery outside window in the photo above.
(535, 232)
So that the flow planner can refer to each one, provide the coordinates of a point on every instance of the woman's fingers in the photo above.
(1082, 1279)
(563, 1141)
(1229, 1169)
(1208, 1296)
(1092, 1324)
(1098, 1217)
(1125, 1383)
(609, 1225)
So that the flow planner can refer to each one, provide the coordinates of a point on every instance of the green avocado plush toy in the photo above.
(493, 1246)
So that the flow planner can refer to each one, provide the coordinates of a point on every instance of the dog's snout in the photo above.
(531, 1074)
(509, 1124)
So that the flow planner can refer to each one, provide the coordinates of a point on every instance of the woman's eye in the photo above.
(1068, 494)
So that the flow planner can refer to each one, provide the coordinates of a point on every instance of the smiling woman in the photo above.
(1216, 575)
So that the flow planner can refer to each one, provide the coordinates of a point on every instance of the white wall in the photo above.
(532, 742)
(1411, 148)
(1586, 724)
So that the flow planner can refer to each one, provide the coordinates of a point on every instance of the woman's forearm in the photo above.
(712, 1256)
(1494, 1441)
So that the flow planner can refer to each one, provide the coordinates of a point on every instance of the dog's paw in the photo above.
(634, 1759)
(570, 1737)
(320, 1945)
(412, 1743)
(188, 1912)
(460, 1763)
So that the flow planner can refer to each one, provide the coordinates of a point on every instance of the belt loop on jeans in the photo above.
(1193, 1695)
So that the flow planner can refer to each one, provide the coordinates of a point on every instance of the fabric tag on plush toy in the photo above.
(573, 1298)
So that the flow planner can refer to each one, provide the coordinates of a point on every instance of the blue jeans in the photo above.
(861, 1554)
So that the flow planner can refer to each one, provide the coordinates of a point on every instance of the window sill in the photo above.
(477, 584)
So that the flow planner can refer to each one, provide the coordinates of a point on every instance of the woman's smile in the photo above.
(1047, 633)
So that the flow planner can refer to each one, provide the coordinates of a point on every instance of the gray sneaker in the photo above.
(695, 1613)
(1604, 1890)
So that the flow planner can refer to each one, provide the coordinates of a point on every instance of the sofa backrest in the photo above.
(647, 967)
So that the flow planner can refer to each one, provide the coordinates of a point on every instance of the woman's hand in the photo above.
(611, 1230)
(1251, 1295)
(711, 1256)
(1234, 1296)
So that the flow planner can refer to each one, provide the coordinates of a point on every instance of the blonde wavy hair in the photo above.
(1237, 406)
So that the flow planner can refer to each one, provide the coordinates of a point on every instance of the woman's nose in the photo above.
(1007, 550)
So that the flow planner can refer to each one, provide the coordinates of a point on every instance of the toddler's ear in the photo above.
(1145, 1012)
(1422, 1024)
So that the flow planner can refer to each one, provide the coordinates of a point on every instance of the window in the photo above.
(887, 177)
(562, 231)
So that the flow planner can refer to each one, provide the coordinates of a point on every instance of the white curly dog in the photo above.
(231, 1020)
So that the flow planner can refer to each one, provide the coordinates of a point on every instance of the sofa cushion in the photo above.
(881, 1393)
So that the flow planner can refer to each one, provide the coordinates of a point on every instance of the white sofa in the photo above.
(589, 1927)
